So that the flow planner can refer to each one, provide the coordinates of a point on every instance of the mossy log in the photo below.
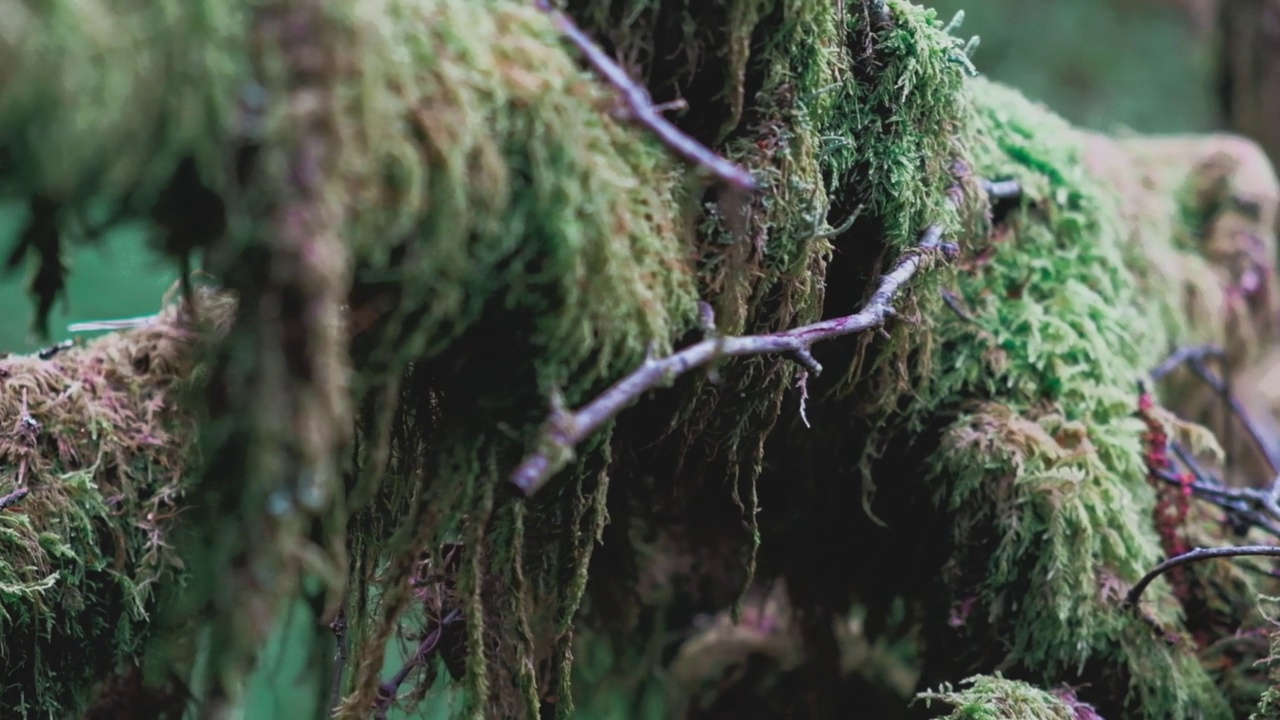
(428, 218)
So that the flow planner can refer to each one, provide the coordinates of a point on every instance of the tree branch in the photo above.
(565, 429)
(1194, 357)
(642, 109)
(13, 497)
(339, 628)
(388, 691)
(1194, 556)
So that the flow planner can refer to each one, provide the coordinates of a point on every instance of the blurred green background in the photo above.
(113, 279)
(1106, 64)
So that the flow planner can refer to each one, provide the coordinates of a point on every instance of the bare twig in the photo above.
(122, 324)
(13, 498)
(1245, 507)
(1002, 189)
(388, 691)
(49, 352)
(339, 628)
(1250, 425)
(1193, 556)
(642, 107)
(843, 227)
(1194, 357)
(565, 429)
(955, 304)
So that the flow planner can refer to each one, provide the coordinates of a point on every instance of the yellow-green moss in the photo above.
(995, 698)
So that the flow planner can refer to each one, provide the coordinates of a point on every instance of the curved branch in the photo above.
(1194, 556)
(564, 429)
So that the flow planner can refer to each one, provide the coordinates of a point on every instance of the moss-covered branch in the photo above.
(429, 218)
(565, 429)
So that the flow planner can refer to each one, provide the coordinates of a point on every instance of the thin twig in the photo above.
(1002, 189)
(1251, 427)
(339, 628)
(122, 324)
(1194, 556)
(388, 691)
(955, 304)
(1243, 506)
(13, 498)
(52, 350)
(1194, 357)
(1185, 355)
(642, 107)
(564, 429)
(843, 227)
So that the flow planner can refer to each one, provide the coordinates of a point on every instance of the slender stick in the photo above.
(1194, 556)
(642, 107)
(1250, 426)
(1002, 189)
(564, 429)
(13, 497)
(388, 691)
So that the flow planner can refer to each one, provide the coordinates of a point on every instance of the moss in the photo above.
(996, 698)
(1078, 293)
(100, 437)
(87, 110)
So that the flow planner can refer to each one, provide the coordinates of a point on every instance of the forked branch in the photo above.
(643, 111)
(565, 429)
(1194, 556)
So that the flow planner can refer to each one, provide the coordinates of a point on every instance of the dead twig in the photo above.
(13, 498)
(1245, 507)
(339, 629)
(955, 304)
(642, 109)
(1184, 355)
(1194, 556)
(388, 691)
(1002, 189)
(565, 429)
(1194, 357)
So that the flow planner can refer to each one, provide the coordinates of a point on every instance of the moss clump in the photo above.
(1078, 293)
(101, 439)
(996, 698)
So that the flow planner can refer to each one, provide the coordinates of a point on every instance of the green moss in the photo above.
(995, 698)
(1075, 297)
(100, 438)
(496, 235)
(484, 172)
